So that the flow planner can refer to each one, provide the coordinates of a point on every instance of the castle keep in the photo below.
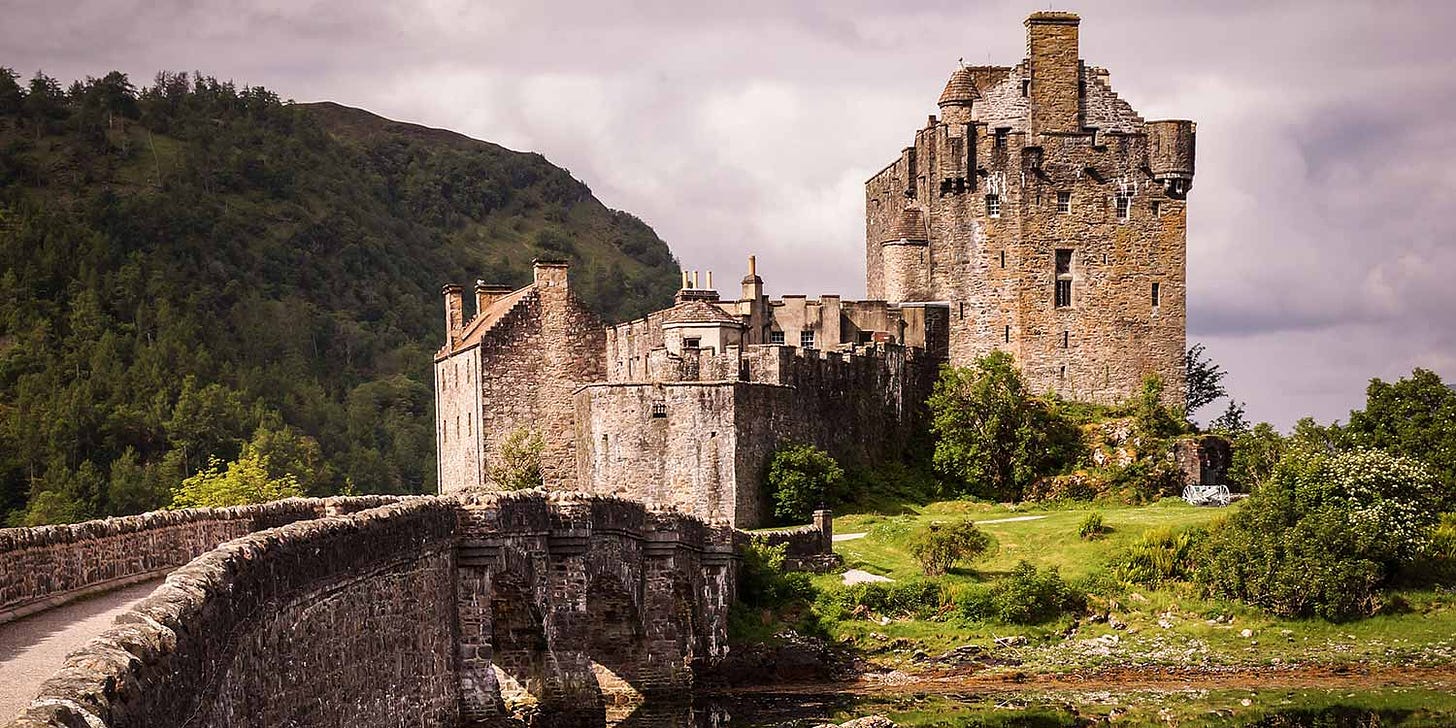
(1049, 217)
(1038, 214)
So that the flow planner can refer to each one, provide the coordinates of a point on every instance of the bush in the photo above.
(991, 436)
(1092, 527)
(1027, 595)
(1159, 556)
(763, 582)
(939, 546)
(519, 465)
(917, 598)
(800, 479)
(1323, 535)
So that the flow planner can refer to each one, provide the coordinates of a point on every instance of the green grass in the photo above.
(1166, 626)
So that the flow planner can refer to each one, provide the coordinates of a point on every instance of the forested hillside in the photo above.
(194, 266)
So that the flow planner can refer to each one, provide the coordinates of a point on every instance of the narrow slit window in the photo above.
(1003, 259)
(1007, 334)
(1157, 208)
(1025, 87)
(963, 309)
(806, 339)
(1063, 373)
(1064, 278)
(1157, 294)
(1124, 207)
(1066, 339)
(993, 205)
(1064, 202)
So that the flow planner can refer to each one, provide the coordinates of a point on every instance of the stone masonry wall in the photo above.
(47, 565)
(343, 621)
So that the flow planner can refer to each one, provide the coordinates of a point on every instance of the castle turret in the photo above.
(1170, 155)
(958, 97)
(906, 255)
(1055, 72)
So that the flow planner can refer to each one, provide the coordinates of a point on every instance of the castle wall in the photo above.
(459, 417)
(708, 451)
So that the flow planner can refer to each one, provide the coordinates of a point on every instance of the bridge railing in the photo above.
(45, 566)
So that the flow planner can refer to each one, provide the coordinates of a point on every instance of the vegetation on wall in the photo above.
(192, 266)
(800, 479)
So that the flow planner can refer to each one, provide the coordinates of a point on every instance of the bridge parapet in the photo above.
(48, 565)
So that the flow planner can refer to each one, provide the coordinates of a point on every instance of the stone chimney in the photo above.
(1055, 71)
(487, 294)
(454, 312)
(550, 274)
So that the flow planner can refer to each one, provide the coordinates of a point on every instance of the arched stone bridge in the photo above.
(422, 611)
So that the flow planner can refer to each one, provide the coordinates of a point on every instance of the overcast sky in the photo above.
(1321, 246)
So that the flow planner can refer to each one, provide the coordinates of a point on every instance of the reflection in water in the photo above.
(1187, 709)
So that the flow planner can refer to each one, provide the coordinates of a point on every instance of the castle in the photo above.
(1039, 215)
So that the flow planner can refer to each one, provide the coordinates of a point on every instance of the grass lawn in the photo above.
(1164, 627)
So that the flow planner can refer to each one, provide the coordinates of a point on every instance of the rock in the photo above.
(869, 721)
(1247, 633)
(1115, 623)
(1012, 641)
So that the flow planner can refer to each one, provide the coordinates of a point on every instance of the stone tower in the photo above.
(1049, 216)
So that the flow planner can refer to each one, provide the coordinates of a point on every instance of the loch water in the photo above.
(1382, 708)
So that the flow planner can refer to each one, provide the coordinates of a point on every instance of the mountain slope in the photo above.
(191, 267)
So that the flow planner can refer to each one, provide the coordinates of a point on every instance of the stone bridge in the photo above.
(418, 611)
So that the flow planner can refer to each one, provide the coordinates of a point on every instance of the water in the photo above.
(1410, 707)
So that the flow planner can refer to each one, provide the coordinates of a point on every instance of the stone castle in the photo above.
(1038, 214)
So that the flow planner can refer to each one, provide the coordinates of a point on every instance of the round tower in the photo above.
(905, 253)
(959, 94)
(1170, 154)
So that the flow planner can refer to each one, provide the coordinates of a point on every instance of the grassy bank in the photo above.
(1165, 627)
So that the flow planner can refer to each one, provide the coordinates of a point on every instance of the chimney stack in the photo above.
(1056, 72)
(454, 312)
(487, 294)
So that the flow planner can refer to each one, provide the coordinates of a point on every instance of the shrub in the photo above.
(992, 437)
(1323, 535)
(1027, 595)
(1092, 527)
(240, 482)
(763, 582)
(1159, 556)
(519, 465)
(918, 598)
(1152, 417)
(800, 479)
(939, 546)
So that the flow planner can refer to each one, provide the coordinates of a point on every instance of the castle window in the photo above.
(866, 337)
(1063, 373)
(1066, 339)
(1007, 334)
(1025, 87)
(1157, 294)
(1157, 208)
(1064, 278)
(806, 339)
(963, 309)
(775, 337)
(1003, 259)
(1124, 206)
(1001, 135)
(659, 410)
(692, 343)
(1064, 202)
(993, 205)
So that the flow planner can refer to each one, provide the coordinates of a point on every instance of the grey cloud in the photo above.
(1320, 243)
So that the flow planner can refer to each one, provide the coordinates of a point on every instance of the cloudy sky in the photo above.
(1322, 226)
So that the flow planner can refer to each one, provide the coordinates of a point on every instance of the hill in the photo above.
(193, 266)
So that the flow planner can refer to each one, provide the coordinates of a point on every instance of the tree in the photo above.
(1415, 417)
(1256, 452)
(1204, 379)
(1232, 422)
(939, 546)
(519, 464)
(991, 436)
(243, 481)
(800, 479)
(1153, 418)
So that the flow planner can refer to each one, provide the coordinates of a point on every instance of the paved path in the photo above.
(34, 647)
(1012, 520)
